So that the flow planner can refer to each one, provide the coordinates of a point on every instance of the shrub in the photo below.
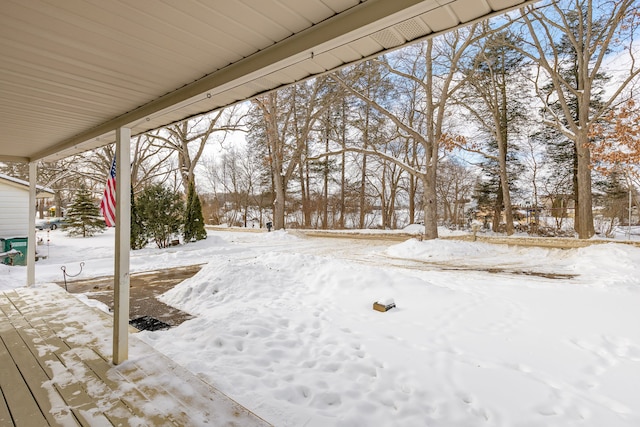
(193, 228)
(161, 213)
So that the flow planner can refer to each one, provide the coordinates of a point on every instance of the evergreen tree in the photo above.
(83, 215)
(487, 195)
(615, 199)
(138, 235)
(495, 97)
(161, 212)
(193, 228)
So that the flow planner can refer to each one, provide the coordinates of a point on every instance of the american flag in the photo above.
(108, 203)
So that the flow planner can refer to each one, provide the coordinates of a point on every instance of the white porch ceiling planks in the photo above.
(72, 71)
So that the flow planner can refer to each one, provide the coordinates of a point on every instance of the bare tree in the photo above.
(438, 88)
(454, 185)
(189, 138)
(63, 177)
(281, 163)
(236, 174)
(581, 34)
(370, 79)
(385, 178)
(533, 161)
(495, 97)
(148, 163)
(288, 117)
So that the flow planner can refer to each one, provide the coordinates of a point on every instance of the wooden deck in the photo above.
(55, 370)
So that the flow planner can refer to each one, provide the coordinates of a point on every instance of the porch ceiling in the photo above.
(72, 71)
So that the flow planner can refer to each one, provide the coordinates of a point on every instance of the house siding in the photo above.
(14, 211)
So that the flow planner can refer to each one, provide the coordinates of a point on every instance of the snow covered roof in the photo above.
(25, 184)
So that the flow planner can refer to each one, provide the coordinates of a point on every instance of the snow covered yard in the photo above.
(285, 326)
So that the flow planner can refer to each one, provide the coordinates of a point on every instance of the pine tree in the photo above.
(193, 228)
(138, 235)
(83, 215)
(615, 199)
(495, 98)
(161, 212)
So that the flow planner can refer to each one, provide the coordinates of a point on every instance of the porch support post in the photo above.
(31, 234)
(122, 245)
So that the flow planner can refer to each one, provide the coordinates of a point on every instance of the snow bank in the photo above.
(294, 337)
(609, 264)
(285, 326)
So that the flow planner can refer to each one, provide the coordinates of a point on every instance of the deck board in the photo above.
(88, 371)
(5, 416)
(42, 350)
(42, 342)
(96, 370)
(22, 405)
(55, 360)
(51, 404)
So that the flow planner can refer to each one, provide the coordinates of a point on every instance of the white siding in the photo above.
(14, 211)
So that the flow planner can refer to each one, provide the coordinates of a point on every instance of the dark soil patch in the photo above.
(518, 272)
(148, 323)
(144, 290)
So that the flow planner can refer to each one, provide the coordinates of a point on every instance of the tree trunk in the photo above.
(412, 200)
(430, 204)
(502, 150)
(363, 188)
(434, 127)
(583, 212)
(383, 200)
(41, 208)
(343, 172)
(506, 202)
(497, 210)
(58, 201)
(278, 203)
(304, 194)
(576, 193)
(456, 206)
(342, 193)
(392, 206)
(363, 177)
(325, 212)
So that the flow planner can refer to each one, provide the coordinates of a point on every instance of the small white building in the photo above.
(14, 206)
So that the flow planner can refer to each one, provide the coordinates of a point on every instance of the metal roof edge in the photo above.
(21, 182)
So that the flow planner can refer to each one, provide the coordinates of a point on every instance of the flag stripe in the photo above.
(108, 203)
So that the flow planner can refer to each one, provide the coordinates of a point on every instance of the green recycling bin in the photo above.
(19, 244)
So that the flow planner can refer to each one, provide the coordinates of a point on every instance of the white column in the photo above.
(123, 226)
(31, 234)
